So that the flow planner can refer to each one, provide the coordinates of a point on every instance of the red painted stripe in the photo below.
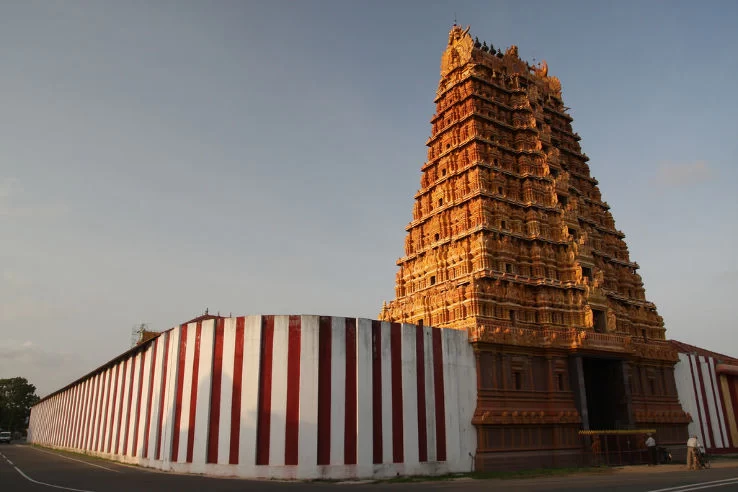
(75, 416)
(733, 390)
(707, 404)
(265, 391)
(63, 402)
(292, 417)
(51, 424)
(351, 423)
(377, 391)
(54, 404)
(147, 423)
(236, 399)
(82, 416)
(696, 397)
(179, 388)
(439, 395)
(89, 402)
(139, 391)
(162, 397)
(214, 427)
(100, 408)
(718, 401)
(106, 417)
(420, 371)
(129, 405)
(63, 398)
(193, 393)
(112, 409)
(98, 413)
(721, 396)
(85, 414)
(95, 413)
(324, 390)
(398, 455)
(120, 406)
(70, 418)
(61, 415)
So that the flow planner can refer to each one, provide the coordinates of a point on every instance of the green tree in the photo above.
(17, 396)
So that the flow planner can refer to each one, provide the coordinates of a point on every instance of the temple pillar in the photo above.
(580, 391)
(627, 393)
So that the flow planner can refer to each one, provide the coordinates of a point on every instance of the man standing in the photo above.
(651, 446)
(692, 445)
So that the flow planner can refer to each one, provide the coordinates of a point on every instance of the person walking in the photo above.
(651, 446)
(693, 445)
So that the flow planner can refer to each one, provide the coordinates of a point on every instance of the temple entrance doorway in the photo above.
(607, 398)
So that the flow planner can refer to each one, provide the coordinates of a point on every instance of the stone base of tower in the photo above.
(526, 460)
(542, 397)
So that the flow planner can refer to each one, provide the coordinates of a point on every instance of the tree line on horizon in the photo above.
(17, 396)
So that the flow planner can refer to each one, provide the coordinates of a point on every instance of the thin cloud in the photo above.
(674, 174)
(47, 370)
(8, 187)
(11, 190)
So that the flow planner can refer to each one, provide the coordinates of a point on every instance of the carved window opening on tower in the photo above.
(517, 380)
(600, 321)
(433, 280)
(560, 382)
(587, 273)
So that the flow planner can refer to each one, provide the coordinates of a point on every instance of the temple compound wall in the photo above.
(301, 397)
(708, 390)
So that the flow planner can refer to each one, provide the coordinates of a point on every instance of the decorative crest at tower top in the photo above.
(458, 51)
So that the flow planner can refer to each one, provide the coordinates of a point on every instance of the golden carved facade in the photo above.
(509, 228)
(510, 240)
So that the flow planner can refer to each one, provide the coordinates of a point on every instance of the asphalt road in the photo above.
(26, 468)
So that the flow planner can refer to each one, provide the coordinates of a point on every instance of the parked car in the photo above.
(5, 437)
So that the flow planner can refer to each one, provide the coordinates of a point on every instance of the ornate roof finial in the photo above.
(484, 46)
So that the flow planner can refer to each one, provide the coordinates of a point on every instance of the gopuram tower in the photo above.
(511, 241)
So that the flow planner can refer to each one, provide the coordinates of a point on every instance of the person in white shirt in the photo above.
(693, 445)
(651, 446)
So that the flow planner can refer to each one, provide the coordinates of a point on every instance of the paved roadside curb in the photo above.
(672, 467)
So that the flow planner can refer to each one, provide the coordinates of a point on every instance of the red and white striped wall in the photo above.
(277, 397)
(710, 397)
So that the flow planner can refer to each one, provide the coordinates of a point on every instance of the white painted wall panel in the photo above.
(338, 389)
(250, 392)
(202, 403)
(226, 390)
(364, 407)
(309, 360)
(410, 396)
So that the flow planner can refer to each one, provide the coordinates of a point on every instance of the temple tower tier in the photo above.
(511, 241)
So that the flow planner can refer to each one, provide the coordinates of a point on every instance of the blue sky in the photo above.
(158, 158)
